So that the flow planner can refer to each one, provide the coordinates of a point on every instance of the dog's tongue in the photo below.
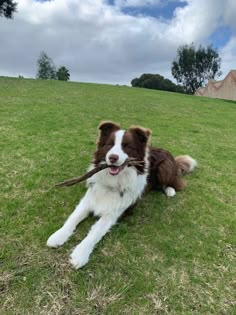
(114, 170)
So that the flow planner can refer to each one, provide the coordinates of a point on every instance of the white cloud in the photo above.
(196, 21)
(229, 13)
(228, 54)
(98, 43)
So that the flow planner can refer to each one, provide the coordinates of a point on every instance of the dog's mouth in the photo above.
(115, 170)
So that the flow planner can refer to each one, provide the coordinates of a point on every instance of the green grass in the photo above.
(173, 256)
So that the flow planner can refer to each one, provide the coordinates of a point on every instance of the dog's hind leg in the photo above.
(170, 191)
(81, 253)
(79, 214)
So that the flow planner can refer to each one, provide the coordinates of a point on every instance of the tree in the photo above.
(46, 67)
(7, 8)
(195, 67)
(156, 82)
(63, 74)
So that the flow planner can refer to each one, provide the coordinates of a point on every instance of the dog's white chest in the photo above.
(109, 196)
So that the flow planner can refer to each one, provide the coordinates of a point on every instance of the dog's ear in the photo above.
(106, 127)
(142, 134)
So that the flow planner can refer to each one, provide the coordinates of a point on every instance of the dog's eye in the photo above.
(128, 146)
(107, 145)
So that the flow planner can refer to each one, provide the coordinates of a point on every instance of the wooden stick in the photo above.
(73, 181)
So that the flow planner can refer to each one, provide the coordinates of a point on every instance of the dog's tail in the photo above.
(185, 164)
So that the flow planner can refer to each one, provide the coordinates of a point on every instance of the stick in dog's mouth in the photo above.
(113, 170)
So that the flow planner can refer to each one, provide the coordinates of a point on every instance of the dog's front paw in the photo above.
(79, 257)
(58, 238)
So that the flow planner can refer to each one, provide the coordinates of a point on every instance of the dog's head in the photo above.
(115, 145)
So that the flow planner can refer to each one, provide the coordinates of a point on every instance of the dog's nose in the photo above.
(113, 158)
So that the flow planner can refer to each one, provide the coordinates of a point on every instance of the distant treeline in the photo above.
(156, 82)
(48, 71)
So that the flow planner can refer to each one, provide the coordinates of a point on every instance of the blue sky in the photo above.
(164, 9)
(113, 41)
(221, 36)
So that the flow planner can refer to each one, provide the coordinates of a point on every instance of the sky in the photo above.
(114, 41)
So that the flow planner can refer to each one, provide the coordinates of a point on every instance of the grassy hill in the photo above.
(173, 256)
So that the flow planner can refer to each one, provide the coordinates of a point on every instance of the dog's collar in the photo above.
(116, 189)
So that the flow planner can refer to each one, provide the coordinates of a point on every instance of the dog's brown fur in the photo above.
(164, 170)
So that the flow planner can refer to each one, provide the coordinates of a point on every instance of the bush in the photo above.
(156, 82)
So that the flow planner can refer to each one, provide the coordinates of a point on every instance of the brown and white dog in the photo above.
(114, 190)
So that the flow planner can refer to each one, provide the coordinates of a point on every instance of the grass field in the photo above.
(173, 256)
